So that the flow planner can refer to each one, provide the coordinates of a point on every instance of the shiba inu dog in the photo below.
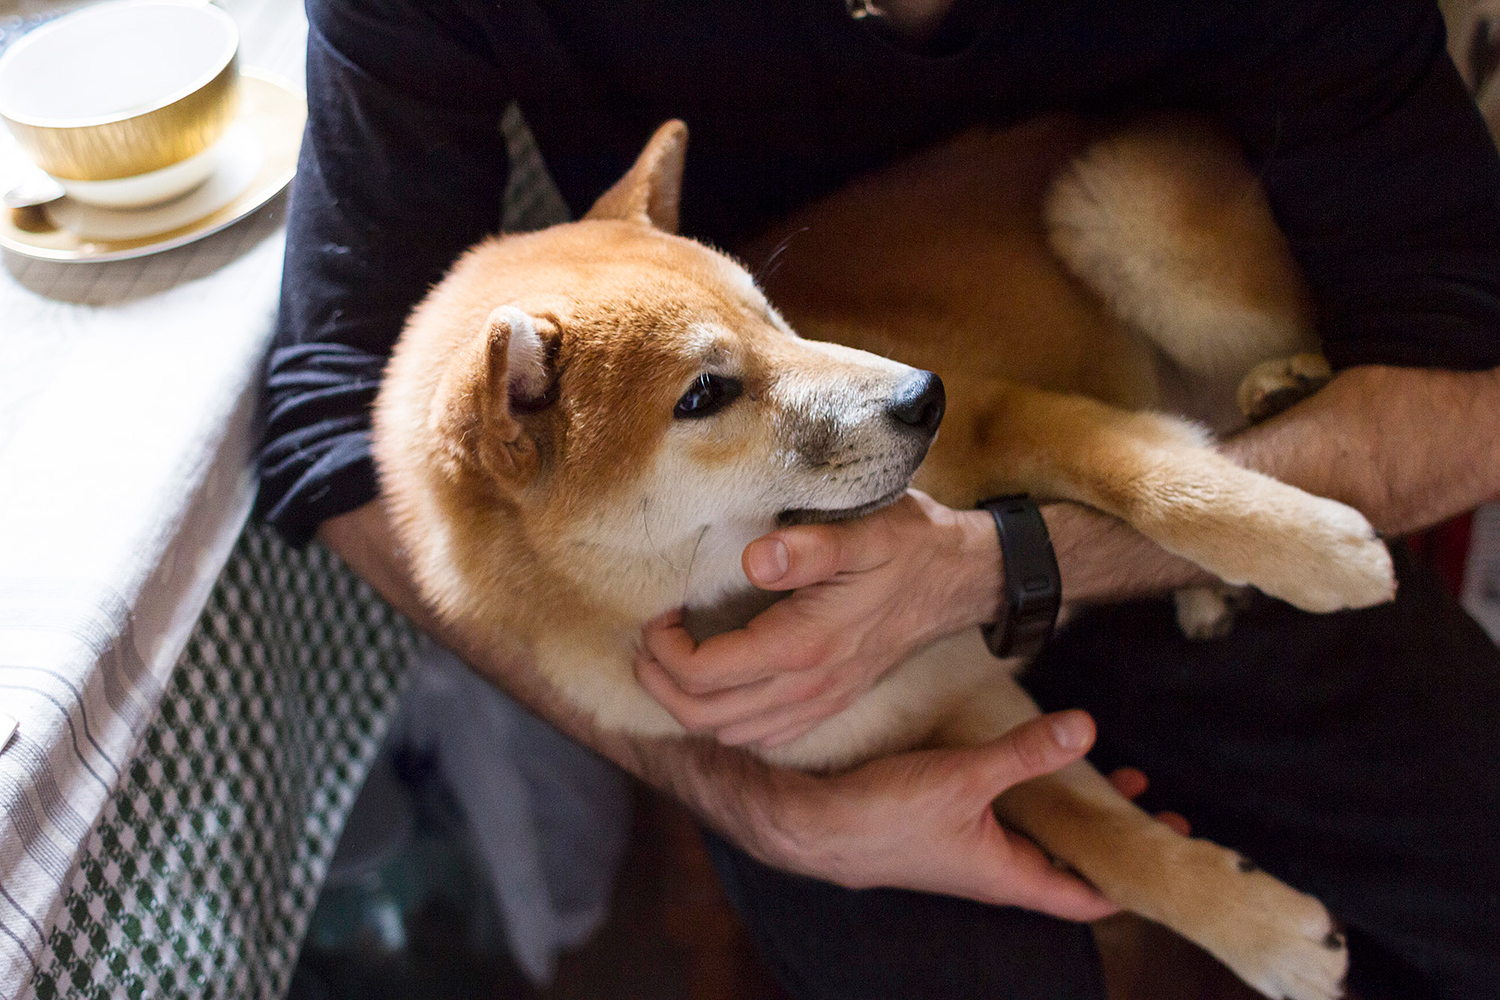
(582, 428)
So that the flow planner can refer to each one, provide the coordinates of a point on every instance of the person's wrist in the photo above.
(1071, 526)
(980, 575)
(799, 829)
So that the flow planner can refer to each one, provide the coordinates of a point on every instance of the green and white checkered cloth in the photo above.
(198, 878)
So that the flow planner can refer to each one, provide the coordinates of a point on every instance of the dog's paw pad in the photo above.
(1300, 956)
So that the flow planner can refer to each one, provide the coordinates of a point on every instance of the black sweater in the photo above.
(1375, 160)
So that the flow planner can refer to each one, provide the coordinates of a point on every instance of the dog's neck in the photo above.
(732, 611)
(645, 567)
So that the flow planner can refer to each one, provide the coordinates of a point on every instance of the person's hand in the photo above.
(868, 594)
(924, 821)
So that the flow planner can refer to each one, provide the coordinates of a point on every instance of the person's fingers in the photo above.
(759, 651)
(1129, 782)
(799, 728)
(1132, 784)
(780, 727)
(1177, 822)
(806, 554)
(758, 729)
(711, 712)
(1032, 881)
(780, 640)
(668, 642)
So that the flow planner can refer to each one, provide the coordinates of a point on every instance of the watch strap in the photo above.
(1032, 589)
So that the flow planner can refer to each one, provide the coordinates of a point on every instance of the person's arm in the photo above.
(403, 166)
(1407, 447)
(919, 821)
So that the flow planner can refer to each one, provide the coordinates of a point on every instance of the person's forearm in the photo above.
(1406, 447)
(737, 794)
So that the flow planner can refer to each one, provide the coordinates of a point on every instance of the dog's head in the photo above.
(615, 407)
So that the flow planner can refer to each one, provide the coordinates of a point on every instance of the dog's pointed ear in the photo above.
(500, 372)
(651, 191)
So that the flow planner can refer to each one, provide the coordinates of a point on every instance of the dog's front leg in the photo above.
(1162, 476)
(1277, 939)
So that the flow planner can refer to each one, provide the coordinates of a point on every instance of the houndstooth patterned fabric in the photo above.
(199, 877)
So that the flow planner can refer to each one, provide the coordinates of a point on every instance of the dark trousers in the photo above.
(1356, 756)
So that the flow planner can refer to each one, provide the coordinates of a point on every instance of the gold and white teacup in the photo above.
(124, 102)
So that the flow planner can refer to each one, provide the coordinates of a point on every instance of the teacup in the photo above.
(123, 102)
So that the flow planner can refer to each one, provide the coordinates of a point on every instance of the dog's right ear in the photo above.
(651, 191)
(499, 372)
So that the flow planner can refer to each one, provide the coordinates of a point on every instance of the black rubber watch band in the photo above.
(1032, 587)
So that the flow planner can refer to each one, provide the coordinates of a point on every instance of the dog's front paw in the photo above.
(1280, 941)
(1325, 557)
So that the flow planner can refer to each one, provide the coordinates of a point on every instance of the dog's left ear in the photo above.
(499, 373)
(651, 191)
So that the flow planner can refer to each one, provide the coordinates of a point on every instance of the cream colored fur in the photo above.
(549, 497)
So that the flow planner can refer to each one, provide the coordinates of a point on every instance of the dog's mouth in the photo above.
(809, 515)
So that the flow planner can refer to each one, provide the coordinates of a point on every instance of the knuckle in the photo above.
(823, 547)
(807, 653)
(694, 718)
(817, 687)
(695, 686)
(1031, 754)
(843, 702)
(734, 738)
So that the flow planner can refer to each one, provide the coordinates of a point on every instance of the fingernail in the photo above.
(768, 560)
(1070, 730)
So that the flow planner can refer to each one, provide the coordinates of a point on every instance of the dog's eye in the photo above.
(707, 396)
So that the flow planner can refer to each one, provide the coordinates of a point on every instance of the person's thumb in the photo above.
(1039, 746)
(794, 557)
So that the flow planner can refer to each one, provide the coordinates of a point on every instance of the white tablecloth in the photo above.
(127, 399)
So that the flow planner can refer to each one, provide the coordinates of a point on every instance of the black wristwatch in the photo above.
(1032, 590)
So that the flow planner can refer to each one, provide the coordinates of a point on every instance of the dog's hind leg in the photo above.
(1162, 476)
(1167, 225)
(1277, 939)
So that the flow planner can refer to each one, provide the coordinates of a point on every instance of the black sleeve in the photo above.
(1381, 173)
(403, 165)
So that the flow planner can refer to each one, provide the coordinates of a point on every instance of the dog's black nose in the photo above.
(919, 402)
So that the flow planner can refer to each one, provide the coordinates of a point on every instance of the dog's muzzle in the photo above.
(916, 408)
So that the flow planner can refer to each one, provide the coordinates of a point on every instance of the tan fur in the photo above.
(548, 497)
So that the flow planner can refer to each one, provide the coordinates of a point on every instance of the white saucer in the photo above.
(258, 158)
(239, 156)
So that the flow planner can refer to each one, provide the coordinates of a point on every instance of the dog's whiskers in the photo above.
(646, 525)
(773, 260)
(692, 559)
